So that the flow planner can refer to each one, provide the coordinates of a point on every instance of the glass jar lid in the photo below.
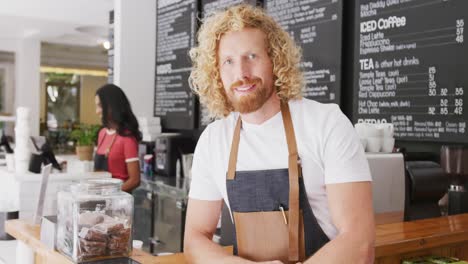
(97, 186)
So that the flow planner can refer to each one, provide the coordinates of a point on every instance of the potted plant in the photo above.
(85, 136)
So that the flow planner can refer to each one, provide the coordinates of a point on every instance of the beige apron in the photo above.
(268, 216)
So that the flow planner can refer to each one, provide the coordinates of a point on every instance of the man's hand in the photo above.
(202, 219)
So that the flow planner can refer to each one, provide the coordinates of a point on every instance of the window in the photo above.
(63, 100)
(2, 87)
(62, 93)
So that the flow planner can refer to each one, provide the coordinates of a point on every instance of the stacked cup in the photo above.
(22, 133)
(376, 137)
(150, 127)
(361, 130)
(388, 141)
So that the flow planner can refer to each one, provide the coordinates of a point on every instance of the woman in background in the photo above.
(117, 150)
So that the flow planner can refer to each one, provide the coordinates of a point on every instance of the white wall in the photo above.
(24, 87)
(27, 60)
(75, 11)
(89, 86)
(26, 81)
(8, 96)
(135, 52)
(9, 91)
(8, 44)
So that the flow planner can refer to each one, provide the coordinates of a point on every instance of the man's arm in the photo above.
(352, 213)
(202, 218)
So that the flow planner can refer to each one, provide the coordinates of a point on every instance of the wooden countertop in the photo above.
(392, 238)
(30, 235)
(405, 237)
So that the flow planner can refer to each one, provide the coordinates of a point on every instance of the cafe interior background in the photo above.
(398, 68)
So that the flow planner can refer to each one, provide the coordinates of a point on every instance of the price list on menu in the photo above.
(176, 29)
(211, 6)
(411, 67)
(316, 26)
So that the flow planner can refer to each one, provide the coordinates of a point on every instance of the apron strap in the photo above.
(110, 146)
(293, 168)
(294, 174)
(234, 150)
(102, 140)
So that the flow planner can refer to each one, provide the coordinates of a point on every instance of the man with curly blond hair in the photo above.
(291, 170)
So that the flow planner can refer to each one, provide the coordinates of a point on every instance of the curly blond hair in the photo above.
(205, 80)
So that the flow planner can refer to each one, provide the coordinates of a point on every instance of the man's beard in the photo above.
(252, 101)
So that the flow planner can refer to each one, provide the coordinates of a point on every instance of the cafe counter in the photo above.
(395, 240)
(29, 234)
(443, 236)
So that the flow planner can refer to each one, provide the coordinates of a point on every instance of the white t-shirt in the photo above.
(327, 143)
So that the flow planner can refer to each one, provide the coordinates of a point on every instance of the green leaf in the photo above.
(85, 135)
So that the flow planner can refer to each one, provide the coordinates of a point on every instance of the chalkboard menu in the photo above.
(175, 35)
(211, 6)
(110, 52)
(316, 26)
(411, 67)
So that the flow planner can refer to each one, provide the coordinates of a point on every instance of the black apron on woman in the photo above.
(101, 160)
(272, 216)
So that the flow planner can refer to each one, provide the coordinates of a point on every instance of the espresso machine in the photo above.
(169, 148)
(454, 161)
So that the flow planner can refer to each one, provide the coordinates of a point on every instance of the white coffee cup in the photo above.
(374, 130)
(387, 130)
(363, 142)
(361, 129)
(10, 162)
(21, 166)
(137, 244)
(387, 144)
(374, 144)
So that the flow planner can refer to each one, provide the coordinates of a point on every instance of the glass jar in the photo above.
(94, 219)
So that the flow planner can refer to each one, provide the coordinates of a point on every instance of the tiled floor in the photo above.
(8, 252)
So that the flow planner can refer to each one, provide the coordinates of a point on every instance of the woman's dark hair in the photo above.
(116, 109)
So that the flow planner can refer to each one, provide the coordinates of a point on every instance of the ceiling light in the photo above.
(45, 69)
(106, 44)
